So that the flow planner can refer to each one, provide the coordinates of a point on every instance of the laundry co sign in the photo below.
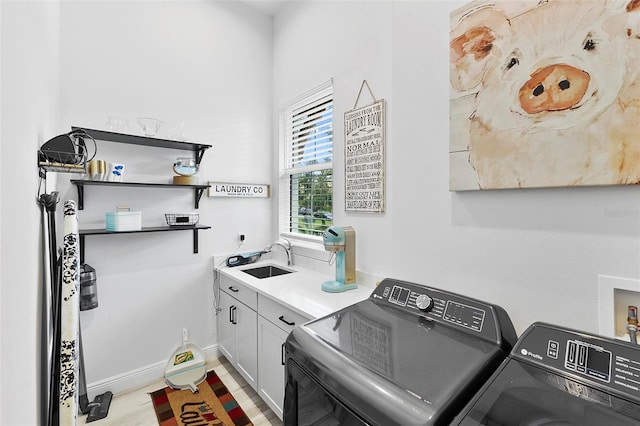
(242, 190)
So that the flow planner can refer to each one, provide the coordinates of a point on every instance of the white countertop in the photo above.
(300, 290)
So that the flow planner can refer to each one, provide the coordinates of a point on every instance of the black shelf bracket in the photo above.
(81, 249)
(80, 197)
(195, 241)
(199, 154)
(199, 192)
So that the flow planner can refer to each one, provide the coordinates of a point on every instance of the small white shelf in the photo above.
(614, 295)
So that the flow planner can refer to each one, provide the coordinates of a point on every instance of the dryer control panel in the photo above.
(448, 308)
(600, 360)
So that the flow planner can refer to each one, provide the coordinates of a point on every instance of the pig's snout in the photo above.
(553, 88)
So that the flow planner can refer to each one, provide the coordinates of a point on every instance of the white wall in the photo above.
(348, 43)
(1, 322)
(537, 253)
(29, 104)
(207, 64)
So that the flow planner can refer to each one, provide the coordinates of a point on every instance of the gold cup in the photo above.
(97, 169)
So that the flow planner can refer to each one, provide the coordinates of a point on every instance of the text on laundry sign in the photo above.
(225, 189)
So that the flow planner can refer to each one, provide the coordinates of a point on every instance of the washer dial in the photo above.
(424, 303)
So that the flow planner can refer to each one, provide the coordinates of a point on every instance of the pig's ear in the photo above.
(473, 44)
(633, 18)
(633, 6)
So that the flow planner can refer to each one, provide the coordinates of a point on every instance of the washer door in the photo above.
(523, 395)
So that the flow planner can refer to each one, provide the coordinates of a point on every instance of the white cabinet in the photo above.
(271, 368)
(246, 322)
(238, 328)
(275, 322)
(252, 329)
(226, 329)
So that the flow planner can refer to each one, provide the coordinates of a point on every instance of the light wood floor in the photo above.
(134, 408)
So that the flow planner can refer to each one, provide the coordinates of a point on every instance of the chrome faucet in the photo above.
(286, 245)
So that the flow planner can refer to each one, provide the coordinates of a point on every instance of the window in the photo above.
(306, 154)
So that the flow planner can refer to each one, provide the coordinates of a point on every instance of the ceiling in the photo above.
(268, 7)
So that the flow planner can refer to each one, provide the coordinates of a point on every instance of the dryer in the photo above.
(408, 355)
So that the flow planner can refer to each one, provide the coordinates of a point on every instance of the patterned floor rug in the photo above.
(213, 404)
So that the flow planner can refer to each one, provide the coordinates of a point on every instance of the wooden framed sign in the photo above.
(364, 158)
(238, 190)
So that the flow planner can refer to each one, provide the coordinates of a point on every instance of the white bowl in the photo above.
(150, 126)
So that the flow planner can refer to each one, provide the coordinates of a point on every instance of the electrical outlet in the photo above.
(241, 237)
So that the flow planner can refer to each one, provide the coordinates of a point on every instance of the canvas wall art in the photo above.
(544, 94)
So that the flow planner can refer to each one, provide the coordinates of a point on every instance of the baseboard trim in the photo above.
(139, 377)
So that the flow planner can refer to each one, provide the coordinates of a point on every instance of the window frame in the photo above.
(285, 171)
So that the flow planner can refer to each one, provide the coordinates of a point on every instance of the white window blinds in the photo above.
(306, 174)
(308, 132)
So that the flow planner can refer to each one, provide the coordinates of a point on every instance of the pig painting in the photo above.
(545, 94)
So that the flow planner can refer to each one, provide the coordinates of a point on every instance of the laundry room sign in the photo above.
(239, 190)
(364, 156)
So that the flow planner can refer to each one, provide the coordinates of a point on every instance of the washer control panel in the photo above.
(600, 360)
(588, 359)
(449, 308)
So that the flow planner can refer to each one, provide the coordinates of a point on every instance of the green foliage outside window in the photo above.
(314, 201)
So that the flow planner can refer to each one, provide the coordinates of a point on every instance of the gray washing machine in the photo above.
(407, 355)
(558, 377)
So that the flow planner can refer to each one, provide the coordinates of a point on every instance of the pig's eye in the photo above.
(512, 60)
(590, 42)
(589, 45)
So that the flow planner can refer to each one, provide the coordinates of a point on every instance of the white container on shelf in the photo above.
(123, 220)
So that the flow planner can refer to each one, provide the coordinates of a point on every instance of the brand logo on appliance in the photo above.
(525, 352)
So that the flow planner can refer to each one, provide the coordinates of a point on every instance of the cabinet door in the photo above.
(271, 370)
(226, 328)
(247, 343)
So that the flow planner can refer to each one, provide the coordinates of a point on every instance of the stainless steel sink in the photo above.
(266, 271)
